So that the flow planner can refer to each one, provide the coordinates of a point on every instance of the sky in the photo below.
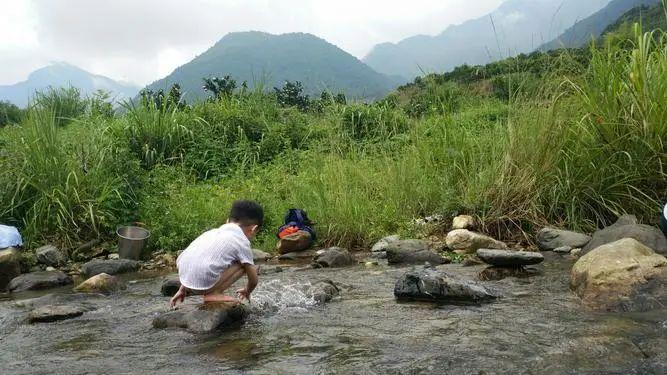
(140, 41)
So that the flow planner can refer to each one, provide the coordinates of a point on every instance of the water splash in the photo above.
(276, 297)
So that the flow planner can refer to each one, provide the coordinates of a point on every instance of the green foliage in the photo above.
(66, 104)
(100, 105)
(291, 95)
(161, 100)
(372, 122)
(222, 87)
(10, 114)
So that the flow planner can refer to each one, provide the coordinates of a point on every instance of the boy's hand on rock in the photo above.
(243, 294)
(178, 297)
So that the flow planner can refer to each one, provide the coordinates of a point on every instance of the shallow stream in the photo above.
(538, 327)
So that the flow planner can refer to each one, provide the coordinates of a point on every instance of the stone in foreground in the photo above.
(334, 257)
(206, 318)
(508, 258)
(412, 252)
(170, 286)
(52, 313)
(463, 240)
(627, 227)
(550, 239)
(10, 266)
(463, 222)
(437, 286)
(39, 280)
(324, 291)
(101, 283)
(110, 267)
(51, 256)
(384, 243)
(621, 276)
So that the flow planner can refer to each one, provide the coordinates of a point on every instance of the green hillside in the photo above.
(651, 18)
(269, 60)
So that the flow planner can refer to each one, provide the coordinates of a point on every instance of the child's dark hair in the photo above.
(247, 213)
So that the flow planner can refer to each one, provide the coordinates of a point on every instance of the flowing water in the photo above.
(539, 327)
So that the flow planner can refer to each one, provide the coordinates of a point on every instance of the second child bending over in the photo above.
(221, 256)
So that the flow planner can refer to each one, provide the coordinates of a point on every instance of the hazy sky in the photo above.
(142, 40)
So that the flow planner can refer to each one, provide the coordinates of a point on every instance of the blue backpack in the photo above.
(296, 217)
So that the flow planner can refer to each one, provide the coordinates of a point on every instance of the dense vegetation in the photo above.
(563, 143)
(262, 59)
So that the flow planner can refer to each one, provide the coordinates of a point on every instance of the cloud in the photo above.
(141, 41)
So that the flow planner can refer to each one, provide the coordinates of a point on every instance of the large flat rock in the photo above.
(334, 257)
(110, 267)
(437, 286)
(39, 280)
(52, 313)
(509, 258)
(551, 239)
(463, 240)
(203, 318)
(627, 227)
(412, 252)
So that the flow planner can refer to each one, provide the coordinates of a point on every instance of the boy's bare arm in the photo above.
(251, 273)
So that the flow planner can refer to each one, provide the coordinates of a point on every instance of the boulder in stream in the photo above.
(438, 286)
(324, 291)
(50, 255)
(52, 313)
(627, 227)
(39, 280)
(205, 318)
(101, 283)
(111, 266)
(10, 266)
(170, 285)
(624, 275)
(550, 238)
(334, 257)
(412, 252)
(508, 258)
(463, 240)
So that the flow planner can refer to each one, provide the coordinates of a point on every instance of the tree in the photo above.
(291, 95)
(10, 114)
(221, 87)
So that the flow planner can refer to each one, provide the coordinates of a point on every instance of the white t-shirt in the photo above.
(200, 265)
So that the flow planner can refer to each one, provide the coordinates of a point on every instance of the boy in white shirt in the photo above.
(219, 257)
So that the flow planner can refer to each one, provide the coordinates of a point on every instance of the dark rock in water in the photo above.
(498, 273)
(297, 255)
(432, 285)
(205, 318)
(101, 283)
(10, 266)
(39, 280)
(51, 256)
(412, 252)
(52, 313)
(170, 286)
(260, 256)
(111, 267)
(627, 227)
(79, 299)
(334, 257)
(268, 270)
(550, 239)
(506, 258)
(471, 261)
(324, 291)
(381, 246)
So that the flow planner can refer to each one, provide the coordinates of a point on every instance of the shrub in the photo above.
(65, 104)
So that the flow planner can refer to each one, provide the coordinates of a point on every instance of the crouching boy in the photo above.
(219, 257)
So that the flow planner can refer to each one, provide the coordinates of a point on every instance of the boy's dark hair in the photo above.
(247, 213)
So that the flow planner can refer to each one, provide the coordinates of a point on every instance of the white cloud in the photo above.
(141, 41)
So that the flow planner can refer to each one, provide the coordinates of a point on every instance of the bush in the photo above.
(10, 114)
(66, 104)
(372, 122)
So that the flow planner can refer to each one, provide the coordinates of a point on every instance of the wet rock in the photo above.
(268, 270)
(550, 239)
(627, 227)
(324, 291)
(575, 252)
(295, 242)
(624, 275)
(463, 240)
(471, 261)
(563, 250)
(379, 255)
(510, 258)
(463, 222)
(334, 257)
(10, 266)
(499, 273)
(170, 286)
(52, 313)
(433, 285)
(260, 256)
(206, 318)
(50, 255)
(381, 246)
(297, 255)
(39, 280)
(79, 299)
(101, 283)
(111, 267)
(412, 252)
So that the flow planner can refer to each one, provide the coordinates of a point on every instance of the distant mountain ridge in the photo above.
(270, 60)
(64, 75)
(517, 26)
(592, 27)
